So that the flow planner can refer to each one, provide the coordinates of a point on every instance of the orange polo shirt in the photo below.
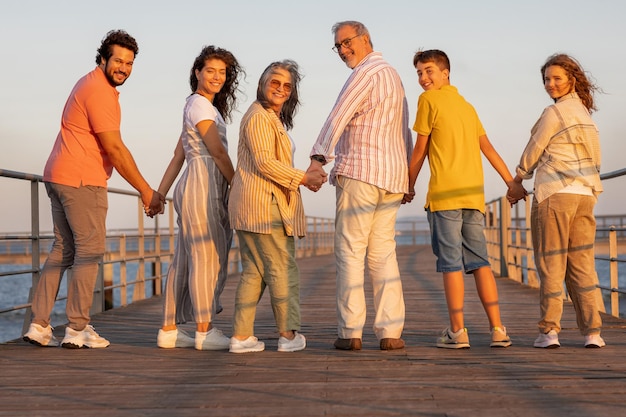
(77, 156)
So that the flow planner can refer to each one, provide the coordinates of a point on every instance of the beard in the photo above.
(109, 74)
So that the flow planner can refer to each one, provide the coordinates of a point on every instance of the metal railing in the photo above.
(510, 248)
(135, 259)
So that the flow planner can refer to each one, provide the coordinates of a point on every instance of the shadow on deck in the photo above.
(134, 378)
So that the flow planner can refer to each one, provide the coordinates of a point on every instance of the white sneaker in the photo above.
(594, 341)
(548, 340)
(168, 339)
(293, 345)
(251, 344)
(86, 338)
(40, 336)
(214, 339)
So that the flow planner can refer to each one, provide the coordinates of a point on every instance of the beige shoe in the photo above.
(450, 340)
(40, 336)
(499, 338)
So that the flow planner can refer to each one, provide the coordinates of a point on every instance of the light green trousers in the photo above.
(268, 260)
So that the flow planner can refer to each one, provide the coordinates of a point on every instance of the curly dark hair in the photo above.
(115, 37)
(290, 107)
(225, 101)
(585, 88)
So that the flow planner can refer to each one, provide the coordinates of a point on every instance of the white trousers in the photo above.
(365, 227)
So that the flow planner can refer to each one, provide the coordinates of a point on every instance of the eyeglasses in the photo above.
(345, 43)
(276, 84)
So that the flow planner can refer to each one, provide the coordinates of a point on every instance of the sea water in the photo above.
(14, 290)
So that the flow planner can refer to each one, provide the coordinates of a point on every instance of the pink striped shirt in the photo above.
(367, 132)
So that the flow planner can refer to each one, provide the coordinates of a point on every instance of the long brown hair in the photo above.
(224, 101)
(584, 87)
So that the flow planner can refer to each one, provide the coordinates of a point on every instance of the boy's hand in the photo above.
(408, 197)
(516, 192)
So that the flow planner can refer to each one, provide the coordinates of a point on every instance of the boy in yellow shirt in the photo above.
(450, 133)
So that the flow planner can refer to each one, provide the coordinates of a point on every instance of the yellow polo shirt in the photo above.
(454, 156)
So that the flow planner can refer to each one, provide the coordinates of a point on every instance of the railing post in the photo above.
(139, 292)
(613, 273)
(156, 265)
(504, 223)
(107, 281)
(123, 270)
(35, 248)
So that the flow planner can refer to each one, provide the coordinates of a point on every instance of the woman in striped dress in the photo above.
(266, 210)
(197, 274)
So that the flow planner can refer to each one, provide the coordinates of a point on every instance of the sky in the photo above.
(496, 50)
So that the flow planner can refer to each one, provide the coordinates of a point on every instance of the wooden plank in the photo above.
(133, 377)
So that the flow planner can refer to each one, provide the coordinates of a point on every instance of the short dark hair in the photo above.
(119, 38)
(432, 55)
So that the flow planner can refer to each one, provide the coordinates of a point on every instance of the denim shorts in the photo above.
(458, 239)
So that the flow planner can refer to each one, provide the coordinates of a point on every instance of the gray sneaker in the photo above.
(449, 340)
(40, 336)
(86, 338)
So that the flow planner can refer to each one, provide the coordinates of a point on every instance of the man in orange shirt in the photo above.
(88, 147)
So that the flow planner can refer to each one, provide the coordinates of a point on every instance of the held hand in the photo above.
(408, 197)
(516, 192)
(156, 206)
(314, 177)
(316, 170)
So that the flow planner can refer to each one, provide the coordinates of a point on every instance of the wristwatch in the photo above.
(319, 158)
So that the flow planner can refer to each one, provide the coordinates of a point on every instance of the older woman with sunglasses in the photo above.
(266, 210)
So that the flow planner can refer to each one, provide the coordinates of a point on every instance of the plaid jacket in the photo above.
(564, 148)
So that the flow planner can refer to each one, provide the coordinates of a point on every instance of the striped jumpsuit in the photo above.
(198, 271)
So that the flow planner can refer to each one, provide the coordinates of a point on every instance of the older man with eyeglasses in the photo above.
(368, 137)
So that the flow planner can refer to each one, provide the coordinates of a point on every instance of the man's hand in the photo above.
(314, 177)
(156, 205)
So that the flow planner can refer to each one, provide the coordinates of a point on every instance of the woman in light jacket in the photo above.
(265, 209)
(564, 154)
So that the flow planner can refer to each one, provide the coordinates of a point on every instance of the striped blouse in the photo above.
(367, 131)
(265, 169)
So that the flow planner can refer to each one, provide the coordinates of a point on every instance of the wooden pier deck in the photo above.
(135, 378)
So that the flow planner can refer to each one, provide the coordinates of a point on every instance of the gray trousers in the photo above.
(79, 221)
